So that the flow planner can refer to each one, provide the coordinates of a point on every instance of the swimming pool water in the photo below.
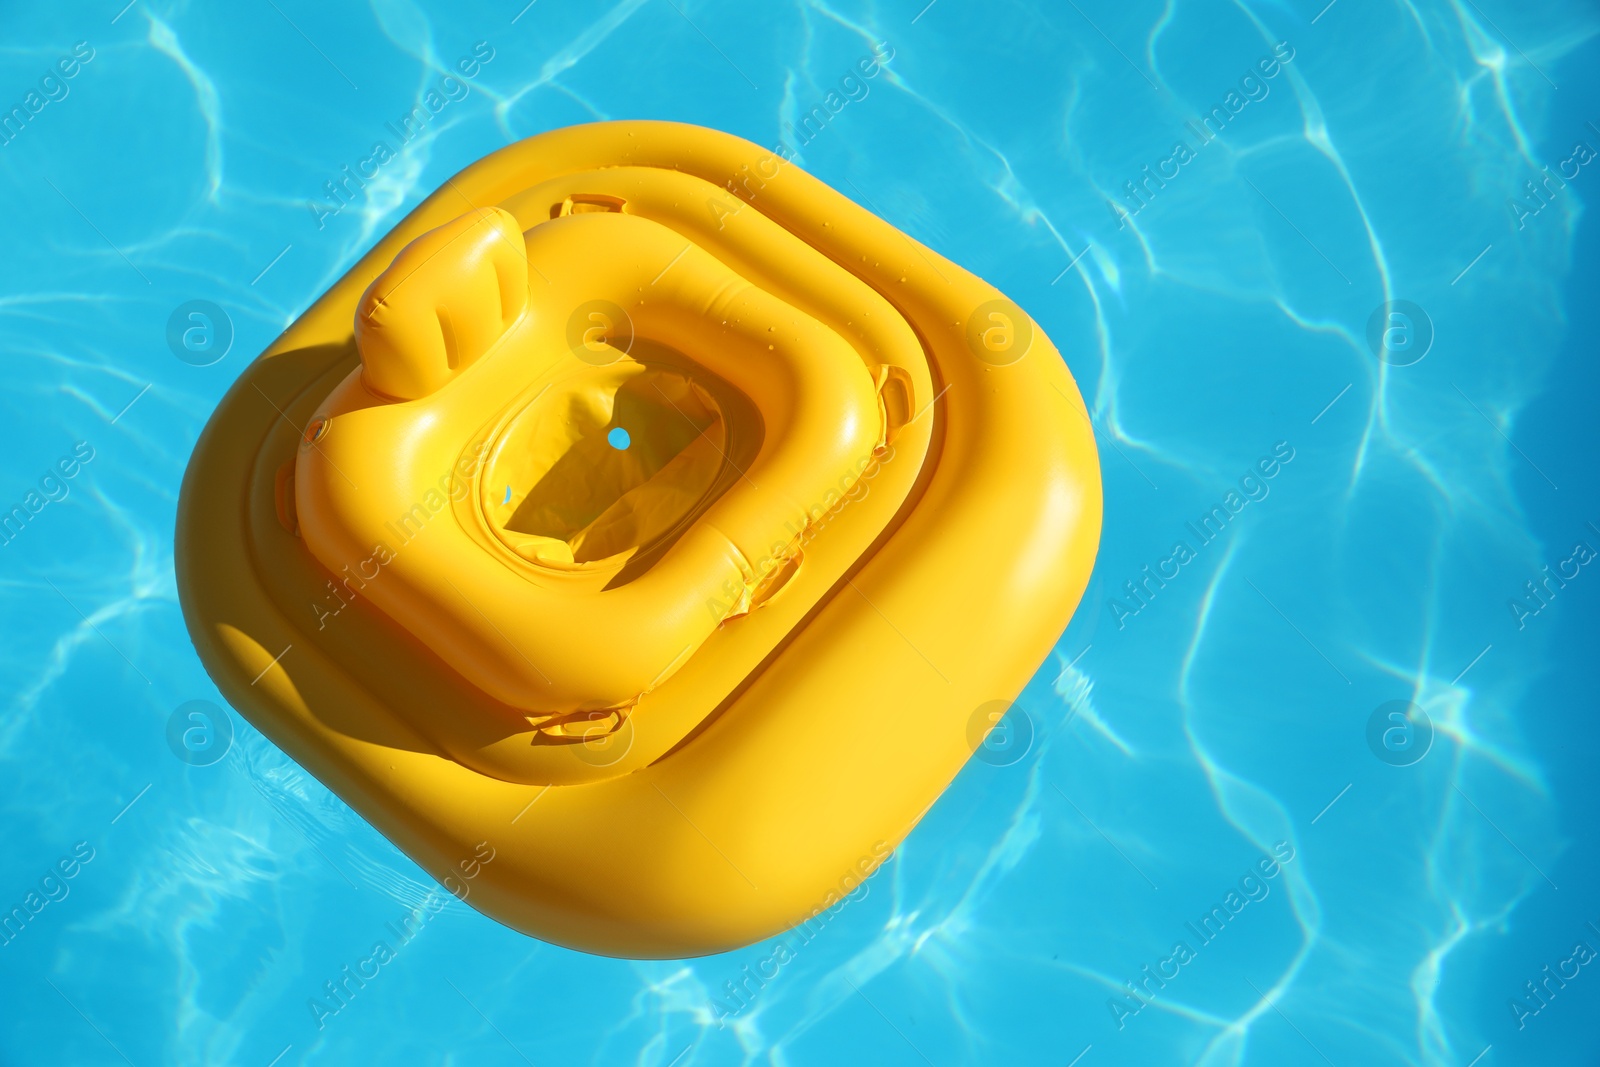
(1324, 274)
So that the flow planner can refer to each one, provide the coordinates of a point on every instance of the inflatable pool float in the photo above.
(646, 515)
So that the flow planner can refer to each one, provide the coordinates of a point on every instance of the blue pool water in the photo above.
(166, 216)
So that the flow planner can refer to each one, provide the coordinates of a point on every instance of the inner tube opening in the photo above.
(564, 487)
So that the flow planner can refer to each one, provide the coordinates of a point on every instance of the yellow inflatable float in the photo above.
(648, 517)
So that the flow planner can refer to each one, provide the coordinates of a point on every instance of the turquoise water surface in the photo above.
(1310, 778)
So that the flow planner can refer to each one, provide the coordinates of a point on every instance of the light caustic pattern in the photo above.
(1213, 302)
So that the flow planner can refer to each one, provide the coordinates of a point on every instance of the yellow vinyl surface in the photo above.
(645, 509)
